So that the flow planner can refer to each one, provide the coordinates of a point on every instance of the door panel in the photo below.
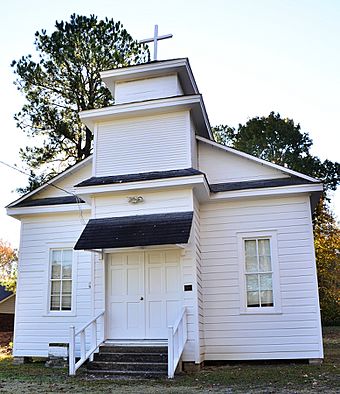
(162, 291)
(125, 288)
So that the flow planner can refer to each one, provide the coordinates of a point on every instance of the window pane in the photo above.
(251, 264)
(265, 263)
(56, 271)
(67, 270)
(252, 283)
(55, 303)
(250, 247)
(56, 264)
(266, 282)
(56, 256)
(67, 255)
(55, 288)
(66, 303)
(67, 287)
(253, 299)
(264, 247)
(267, 298)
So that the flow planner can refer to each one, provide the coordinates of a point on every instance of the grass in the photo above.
(233, 378)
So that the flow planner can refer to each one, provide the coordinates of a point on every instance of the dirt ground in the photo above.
(5, 338)
(235, 378)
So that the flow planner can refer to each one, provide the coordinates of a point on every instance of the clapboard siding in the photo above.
(147, 89)
(166, 201)
(194, 145)
(73, 178)
(221, 166)
(233, 335)
(200, 311)
(143, 144)
(188, 261)
(34, 327)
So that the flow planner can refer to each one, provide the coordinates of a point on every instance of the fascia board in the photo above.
(160, 183)
(151, 70)
(7, 298)
(270, 191)
(51, 181)
(91, 117)
(256, 159)
(125, 73)
(47, 209)
(147, 247)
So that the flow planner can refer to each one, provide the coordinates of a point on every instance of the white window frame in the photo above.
(263, 234)
(50, 312)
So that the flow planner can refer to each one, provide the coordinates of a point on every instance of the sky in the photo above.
(249, 57)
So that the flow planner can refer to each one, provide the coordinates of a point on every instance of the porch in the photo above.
(139, 291)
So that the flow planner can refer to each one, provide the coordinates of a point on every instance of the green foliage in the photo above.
(63, 81)
(327, 250)
(224, 134)
(282, 142)
(8, 266)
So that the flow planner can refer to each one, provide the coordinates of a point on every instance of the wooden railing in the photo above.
(84, 355)
(177, 337)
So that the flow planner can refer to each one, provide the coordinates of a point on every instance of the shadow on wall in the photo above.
(6, 322)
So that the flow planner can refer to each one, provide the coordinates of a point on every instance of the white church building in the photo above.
(166, 238)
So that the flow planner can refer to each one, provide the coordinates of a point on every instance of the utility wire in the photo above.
(78, 199)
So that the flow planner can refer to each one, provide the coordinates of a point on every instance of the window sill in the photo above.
(60, 314)
(262, 312)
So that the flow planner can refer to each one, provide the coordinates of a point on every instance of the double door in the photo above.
(144, 294)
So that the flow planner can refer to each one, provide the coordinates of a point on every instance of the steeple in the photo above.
(153, 80)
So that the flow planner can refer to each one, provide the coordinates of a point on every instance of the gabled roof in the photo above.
(4, 294)
(257, 160)
(63, 174)
(49, 201)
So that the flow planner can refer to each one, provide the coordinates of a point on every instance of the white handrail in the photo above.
(73, 365)
(177, 337)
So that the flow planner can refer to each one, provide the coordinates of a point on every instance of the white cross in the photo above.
(155, 38)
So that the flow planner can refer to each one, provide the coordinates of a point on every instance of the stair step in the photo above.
(108, 348)
(128, 374)
(143, 367)
(131, 357)
(126, 361)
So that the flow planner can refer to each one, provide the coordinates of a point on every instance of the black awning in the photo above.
(142, 230)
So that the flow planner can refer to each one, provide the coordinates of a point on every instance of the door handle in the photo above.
(142, 298)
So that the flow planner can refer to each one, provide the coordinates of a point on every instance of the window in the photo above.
(259, 279)
(61, 280)
(258, 272)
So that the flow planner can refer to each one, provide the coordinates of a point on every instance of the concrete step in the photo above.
(122, 361)
(127, 366)
(127, 374)
(111, 348)
(131, 357)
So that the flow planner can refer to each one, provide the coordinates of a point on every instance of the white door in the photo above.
(125, 288)
(163, 288)
(143, 294)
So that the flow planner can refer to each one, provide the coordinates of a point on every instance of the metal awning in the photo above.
(131, 231)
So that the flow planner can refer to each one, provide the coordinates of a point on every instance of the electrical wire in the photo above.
(78, 199)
